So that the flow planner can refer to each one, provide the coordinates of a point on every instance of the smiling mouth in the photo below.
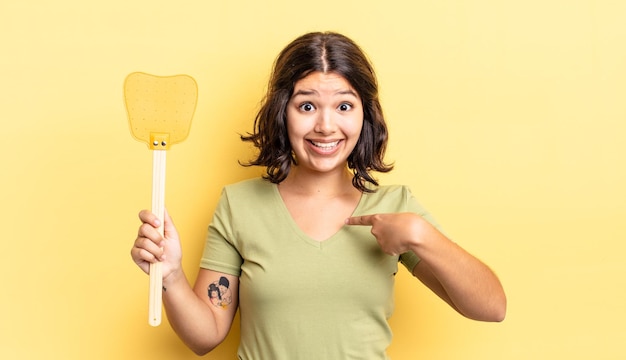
(325, 145)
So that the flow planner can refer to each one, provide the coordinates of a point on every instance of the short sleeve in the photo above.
(220, 253)
(410, 259)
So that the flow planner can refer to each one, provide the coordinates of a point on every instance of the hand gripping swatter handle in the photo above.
(158, 208)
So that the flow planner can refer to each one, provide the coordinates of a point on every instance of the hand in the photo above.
(150, 246)
(396, 233)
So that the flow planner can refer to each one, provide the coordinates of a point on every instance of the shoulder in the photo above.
(387, 198)
(391, 193)
(398, 190)
(254, 184)
(399, 198)
(396, 198)
(255, 189)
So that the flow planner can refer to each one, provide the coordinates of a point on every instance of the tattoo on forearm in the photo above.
(219, 293)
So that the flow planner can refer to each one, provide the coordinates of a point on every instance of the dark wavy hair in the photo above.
(326, 52)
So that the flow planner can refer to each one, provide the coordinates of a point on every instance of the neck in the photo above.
(326, 184)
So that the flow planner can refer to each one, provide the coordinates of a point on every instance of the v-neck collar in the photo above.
(301, 234)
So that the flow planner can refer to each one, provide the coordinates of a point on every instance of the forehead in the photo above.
(329, 82)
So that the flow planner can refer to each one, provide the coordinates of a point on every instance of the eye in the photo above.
(306, 107)
(345, 107)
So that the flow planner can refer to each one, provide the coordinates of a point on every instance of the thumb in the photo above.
(169, 229)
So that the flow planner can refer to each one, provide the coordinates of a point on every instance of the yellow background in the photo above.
(507, 120)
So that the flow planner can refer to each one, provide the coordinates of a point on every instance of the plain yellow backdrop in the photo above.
(507, 119)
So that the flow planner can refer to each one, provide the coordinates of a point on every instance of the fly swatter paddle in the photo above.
(160, 109)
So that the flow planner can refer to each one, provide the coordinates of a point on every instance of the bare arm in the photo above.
(463, 281)
(200, 321)
(456, 276)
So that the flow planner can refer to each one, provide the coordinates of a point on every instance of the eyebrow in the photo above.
(313, 92)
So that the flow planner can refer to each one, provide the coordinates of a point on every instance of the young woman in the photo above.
(309, 252)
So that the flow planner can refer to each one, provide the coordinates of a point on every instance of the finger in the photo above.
(148, 217)
(151, 250)
(141, 255)
(365, 220)
(142, 258)
(149, 232)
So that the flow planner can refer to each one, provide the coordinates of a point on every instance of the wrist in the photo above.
(424, 236)
(174, 279)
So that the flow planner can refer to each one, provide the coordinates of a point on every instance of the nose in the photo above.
(325, 122)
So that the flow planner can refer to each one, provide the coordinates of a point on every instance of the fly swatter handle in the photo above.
(158, 208)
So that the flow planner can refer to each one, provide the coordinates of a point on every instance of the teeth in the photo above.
(326, 145)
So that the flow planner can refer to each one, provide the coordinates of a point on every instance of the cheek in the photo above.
(289, 122)
(356, 128)
(298, 125)
(293, 131)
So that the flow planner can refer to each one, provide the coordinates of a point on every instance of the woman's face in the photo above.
(324, 121)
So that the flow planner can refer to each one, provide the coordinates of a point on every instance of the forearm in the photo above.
(190, 317)
(459, 277)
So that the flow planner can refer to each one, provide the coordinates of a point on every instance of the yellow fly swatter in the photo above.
(160, 109)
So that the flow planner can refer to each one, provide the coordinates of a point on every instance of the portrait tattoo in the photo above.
(219, 293)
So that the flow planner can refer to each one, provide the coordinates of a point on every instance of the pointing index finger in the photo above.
(360, 220)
